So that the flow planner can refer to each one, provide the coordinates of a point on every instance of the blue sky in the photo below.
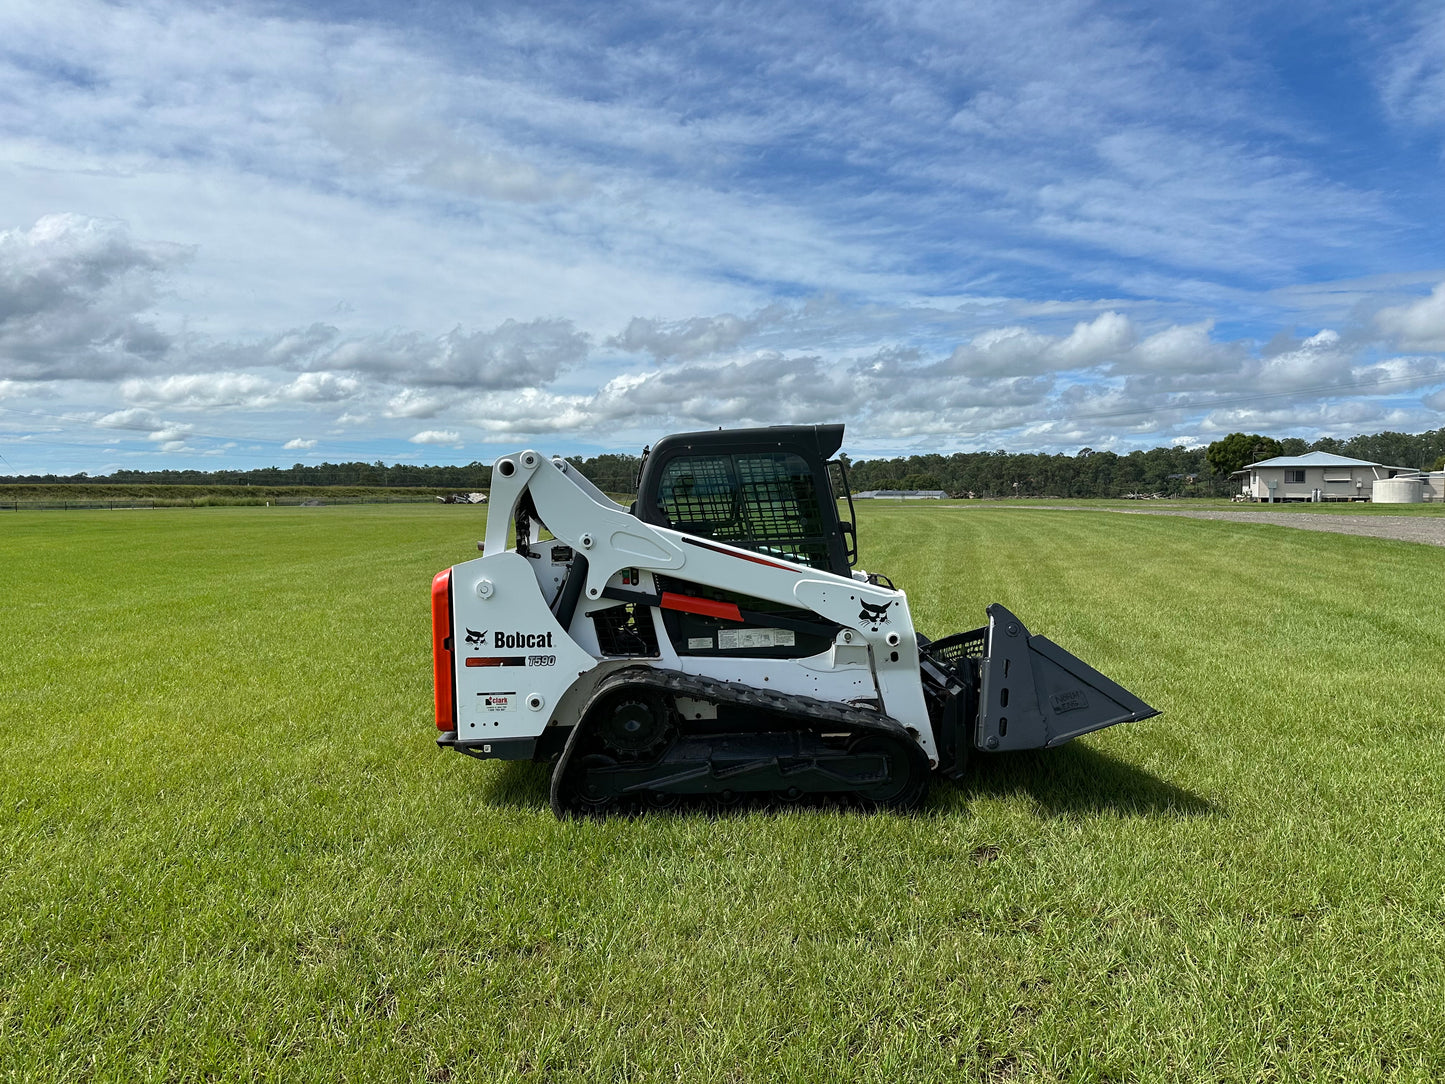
(232, 235)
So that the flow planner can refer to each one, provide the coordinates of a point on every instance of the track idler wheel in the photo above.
(906, 783)
(583, 797)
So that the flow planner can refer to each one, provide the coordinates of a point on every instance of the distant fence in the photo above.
(121, 503)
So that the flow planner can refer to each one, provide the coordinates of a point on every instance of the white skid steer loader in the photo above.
(713, 643)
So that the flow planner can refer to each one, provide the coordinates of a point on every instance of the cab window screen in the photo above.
(764, 501)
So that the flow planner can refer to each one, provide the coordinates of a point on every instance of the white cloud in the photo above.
(133, 418)
(531, 412)
(411, 403)
(320, 387)
(1420, 325)
(438, 436)
(692, 338)
(1412, 80)
(297, 444)
(1186, 349)
(73, 291)
(512, 355)
(1319, 361)
(1091, 343)
(1005, 351)
(402, 139)
(196, 390)
(943, 224)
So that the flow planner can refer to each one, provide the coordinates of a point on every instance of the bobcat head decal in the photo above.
(875, 615)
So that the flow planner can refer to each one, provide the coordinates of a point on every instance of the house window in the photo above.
(1294, 477)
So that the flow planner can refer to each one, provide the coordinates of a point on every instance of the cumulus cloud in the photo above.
(1320, 360)
(319, 387)
(531, 411)
(73, 291)
(1015, 350)
(1419, 325)
(205, 391)
(296, 346)
(1090, 343)
(697, 337)
(196, 390)
(1005, 351)
(298, 444)
(768, 388)
(133, 418)
(512, 355)
(411, 403)
(1178, 349)
(438, 436)
(1399, 373)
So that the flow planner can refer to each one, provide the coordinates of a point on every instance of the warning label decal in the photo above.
(751, 639)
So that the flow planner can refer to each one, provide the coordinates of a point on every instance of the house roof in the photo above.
(1313, 459)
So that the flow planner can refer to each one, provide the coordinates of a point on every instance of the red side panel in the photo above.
(728, 611)
(441, 649)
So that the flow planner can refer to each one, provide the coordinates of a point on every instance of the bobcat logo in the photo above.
(477, 639)
(875, 615)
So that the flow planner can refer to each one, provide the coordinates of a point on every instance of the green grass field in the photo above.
(229, 849)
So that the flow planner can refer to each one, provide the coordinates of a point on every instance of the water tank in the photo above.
(1403, 490)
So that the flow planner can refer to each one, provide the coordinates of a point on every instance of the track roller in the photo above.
(633, 752)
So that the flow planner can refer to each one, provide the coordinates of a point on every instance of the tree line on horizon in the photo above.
(1174, 471)
(472, 476)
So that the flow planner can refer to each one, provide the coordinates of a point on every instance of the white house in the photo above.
(1314, 476)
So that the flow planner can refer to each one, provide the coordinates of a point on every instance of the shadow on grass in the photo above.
(1076, 780)
(517, 784)
(1072, 781)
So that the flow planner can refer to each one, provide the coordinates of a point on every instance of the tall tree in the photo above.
(1238, 450)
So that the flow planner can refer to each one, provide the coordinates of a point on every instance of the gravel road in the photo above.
(1429, 530)
(1426, 529)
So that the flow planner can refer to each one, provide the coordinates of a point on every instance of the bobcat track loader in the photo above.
(712, 642)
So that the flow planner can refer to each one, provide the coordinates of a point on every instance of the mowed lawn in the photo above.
(229, 849)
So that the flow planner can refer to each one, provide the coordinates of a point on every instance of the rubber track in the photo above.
(806, 710)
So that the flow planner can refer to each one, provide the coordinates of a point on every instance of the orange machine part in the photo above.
(441, 648)
(728, 611)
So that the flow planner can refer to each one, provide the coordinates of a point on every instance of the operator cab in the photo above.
(768, 490)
